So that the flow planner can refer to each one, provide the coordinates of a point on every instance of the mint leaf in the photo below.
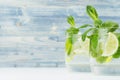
(98, 23)
(68, 45)
(71, 21)
(70, 40)
(70, 34)
(103, 59)
(85, 25)
(84, 35)
(72, 30)
(117, 54)
(94, 43)
(91, 11)
(110, 25)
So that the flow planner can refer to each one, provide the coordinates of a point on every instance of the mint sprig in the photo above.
(71, 32)
(94, 43)
(110, 26)
(91, 11)
(71, 21)
(98, 23)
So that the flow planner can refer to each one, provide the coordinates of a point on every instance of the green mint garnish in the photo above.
(117, 54)
(98, 23)
(103, 59)
(110, 25)
(71, 32)
(85, 25)
(71, 21)
(91, 11)
(94, 43)
(84, 35)
(68, 45)
(95, 48)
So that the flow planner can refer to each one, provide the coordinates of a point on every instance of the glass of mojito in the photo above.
(77, 51)
(104, 45)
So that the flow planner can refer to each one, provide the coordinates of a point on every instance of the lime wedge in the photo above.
(111, 45)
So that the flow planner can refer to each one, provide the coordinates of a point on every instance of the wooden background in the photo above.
(32, 32)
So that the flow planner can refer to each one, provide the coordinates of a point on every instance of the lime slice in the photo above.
(81, 47)
(111, 45)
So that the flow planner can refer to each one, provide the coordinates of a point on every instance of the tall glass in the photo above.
(105, 52)
(78, 58)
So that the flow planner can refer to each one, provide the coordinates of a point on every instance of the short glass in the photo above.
(105, 60)
(78, 59)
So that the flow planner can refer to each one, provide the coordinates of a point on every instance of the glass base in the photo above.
(106, 70)
(78, 67)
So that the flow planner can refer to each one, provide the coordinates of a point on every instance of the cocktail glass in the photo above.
(78, 58)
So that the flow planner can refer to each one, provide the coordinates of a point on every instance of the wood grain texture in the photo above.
(32, 34)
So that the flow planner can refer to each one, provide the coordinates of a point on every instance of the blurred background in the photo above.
(32, 32)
